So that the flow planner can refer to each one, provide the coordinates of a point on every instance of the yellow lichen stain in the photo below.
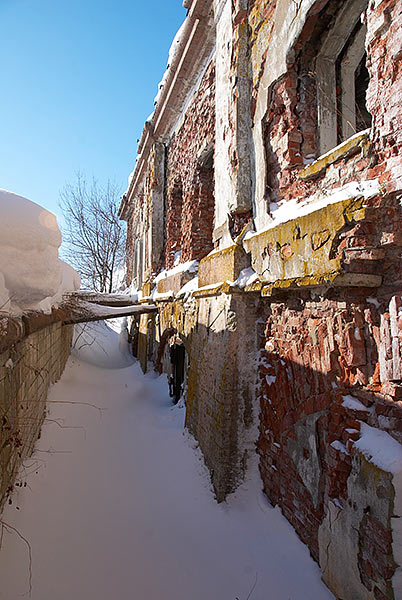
(372, 477)
(221, 265)
(355, 211)
(254, 287)
(146, 289)
(281, 254)
(209, 291)
(335, 278)
(319, 238)
(350, 146)
(261, 27)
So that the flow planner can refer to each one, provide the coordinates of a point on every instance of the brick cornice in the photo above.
(194, 47)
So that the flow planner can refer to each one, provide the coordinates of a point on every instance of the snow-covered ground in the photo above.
(120, 505)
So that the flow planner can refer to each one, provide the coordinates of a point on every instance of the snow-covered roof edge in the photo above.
(190, 51)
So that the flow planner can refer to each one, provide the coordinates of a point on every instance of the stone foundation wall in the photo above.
(26, 371)
(218, 334)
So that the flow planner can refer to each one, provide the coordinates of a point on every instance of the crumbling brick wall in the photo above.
(314, 354)
(318, 348)
(290, 128)
(190, 182)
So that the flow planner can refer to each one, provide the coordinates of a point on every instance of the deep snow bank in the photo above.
(32, 277)
(99, 344)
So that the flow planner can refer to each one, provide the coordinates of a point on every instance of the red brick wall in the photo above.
(291, 119)
(384, 96)
(314, 351)
(190, 222)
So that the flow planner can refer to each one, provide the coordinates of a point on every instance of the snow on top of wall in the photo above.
(150, 117)
(32, 277)
(380, 449)
(290, 210)
(188, 288)
(172, 52)
(353, 403)
(339, 446)
(246, 277)
(191, 266)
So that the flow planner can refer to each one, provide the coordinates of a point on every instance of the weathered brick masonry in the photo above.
(33, 354)
(190, 183)
(301, 104)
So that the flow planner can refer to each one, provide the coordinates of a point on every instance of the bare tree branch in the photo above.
(94, 237)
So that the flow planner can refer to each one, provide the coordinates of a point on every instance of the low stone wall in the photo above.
(219, 337)
(27, 368)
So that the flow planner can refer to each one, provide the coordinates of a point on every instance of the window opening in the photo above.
(362, 77)
(342, 78)
(352, 84)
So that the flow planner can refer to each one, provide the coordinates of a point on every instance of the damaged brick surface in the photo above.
(314, 355)
(190, 184)
(269, 122)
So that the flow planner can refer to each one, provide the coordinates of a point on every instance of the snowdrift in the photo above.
(32, 277)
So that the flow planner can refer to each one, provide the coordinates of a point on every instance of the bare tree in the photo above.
(94, 237)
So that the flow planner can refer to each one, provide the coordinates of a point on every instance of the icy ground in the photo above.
(120, 507)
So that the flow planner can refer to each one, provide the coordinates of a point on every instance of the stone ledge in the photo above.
(346, 148)
(210, 290)
(174, 282)
(306, 246)
(333, 279)
(165, 297)
(222, 265)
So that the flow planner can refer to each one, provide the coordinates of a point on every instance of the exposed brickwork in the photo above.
(375, 558)
(291, 120)
(190, 183)
(314, 353)
(384, 95)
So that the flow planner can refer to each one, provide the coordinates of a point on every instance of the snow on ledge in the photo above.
(288, 211)
(246, 277)
(354, 404)
(190, 266)
(188, 288)
(380, 449)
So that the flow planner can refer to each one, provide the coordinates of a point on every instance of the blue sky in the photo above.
(78, 79)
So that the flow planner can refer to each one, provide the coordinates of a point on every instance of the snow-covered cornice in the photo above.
(191, 50)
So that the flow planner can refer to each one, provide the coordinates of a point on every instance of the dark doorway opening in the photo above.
(176, 380)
